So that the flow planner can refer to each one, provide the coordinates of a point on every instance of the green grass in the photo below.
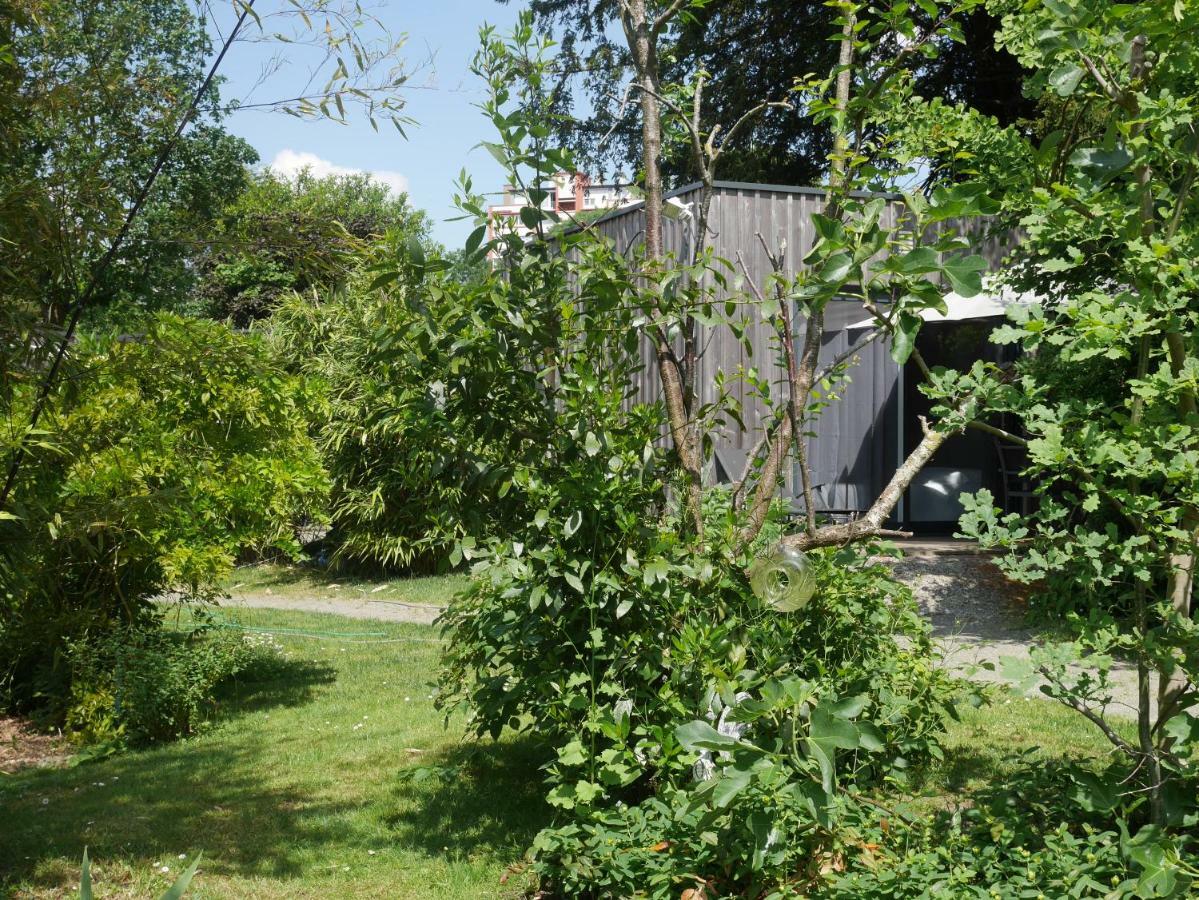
(298, 791)
(1012, 739)
(287, 581)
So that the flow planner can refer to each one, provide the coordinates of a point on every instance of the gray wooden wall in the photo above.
(854, 446)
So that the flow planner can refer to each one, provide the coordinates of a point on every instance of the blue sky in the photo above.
(442, 35)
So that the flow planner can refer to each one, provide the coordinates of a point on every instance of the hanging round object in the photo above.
(783, 580)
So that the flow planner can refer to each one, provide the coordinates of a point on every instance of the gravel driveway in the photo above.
(977, 617)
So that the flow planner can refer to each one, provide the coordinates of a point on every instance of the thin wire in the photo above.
(89, 292)
(338, 636)
(299, 632)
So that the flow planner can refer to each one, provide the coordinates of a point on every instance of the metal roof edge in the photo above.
(729, 186)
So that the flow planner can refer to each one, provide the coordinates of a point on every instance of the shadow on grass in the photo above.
(476, 797)
(274, 683)
(237, 796)
(176, 798)
(160, 803)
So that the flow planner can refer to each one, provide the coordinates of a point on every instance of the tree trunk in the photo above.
(642, 38)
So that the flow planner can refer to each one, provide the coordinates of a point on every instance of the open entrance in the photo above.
(966, 462)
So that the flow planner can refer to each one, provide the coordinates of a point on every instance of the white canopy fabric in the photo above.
(994, 302)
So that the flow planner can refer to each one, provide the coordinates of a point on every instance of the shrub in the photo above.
(172, 451)
(144, 685)
(438, 398)
(1042, 832)
(601, 631)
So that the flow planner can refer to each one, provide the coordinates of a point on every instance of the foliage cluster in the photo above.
(748, 50)
(301, 235)
(702, 739)
(436, 401)
(144, 684)
(1107, 391)
(600, 631)
(166, 454)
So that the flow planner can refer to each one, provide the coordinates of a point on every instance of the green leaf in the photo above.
(541, 518)
(475, 239)
(850, 707)
(416, 250)
(869, 737)
(176, 890)
(699, 735)
(1151, 850)
(1183, 728)
(921, 259)
(573, 754)
(623, 607)
(760, 826)
(85, 878)
(1065, 79)
(903, 341)
(965, 274)
(831, 730)
(530, 216)
(729, 784)
(572, 523)
(836, 268)
(591, 444)
(1099, 163)
(498, 152)
(383, 279)
(587, 791)
(656, 569)
(828, 229)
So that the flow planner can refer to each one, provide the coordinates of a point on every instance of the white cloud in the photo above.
(290, 163)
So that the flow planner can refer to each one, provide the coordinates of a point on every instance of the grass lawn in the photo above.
(299, 789)
(297, 792)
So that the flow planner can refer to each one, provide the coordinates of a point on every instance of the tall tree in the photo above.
(283, 235)
(752, 50)
(101, 87)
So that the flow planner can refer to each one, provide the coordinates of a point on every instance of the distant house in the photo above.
(859, 439)
(566, 193)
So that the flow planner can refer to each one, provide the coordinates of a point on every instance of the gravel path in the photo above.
(977, 618)
(350, 607)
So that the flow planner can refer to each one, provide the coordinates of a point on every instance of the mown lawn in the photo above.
(299, 790)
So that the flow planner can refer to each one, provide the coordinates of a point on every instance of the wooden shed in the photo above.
(860, 437)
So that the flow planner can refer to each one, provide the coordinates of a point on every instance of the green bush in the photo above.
(169, 453)
(437, 400)
(1057, 831)
(145, 685)
(600, 631)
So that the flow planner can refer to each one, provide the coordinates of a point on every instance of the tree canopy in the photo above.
(752, 51)
(283, 235)
(95, 91)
